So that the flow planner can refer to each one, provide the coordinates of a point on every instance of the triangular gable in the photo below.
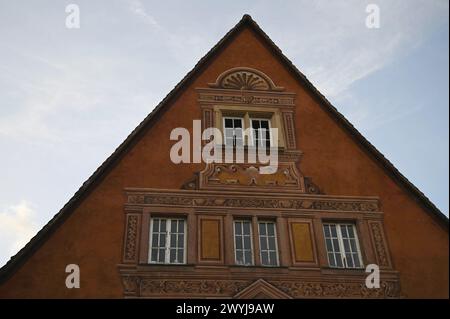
(17, 260)
(261, 289)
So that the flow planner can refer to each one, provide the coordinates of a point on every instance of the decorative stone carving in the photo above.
(210, 96)
(388, 289)
(130, 284)
(158, 287)
(131, 238)
(310, 187)
(261, 289)
(380, 248)
(248, 176)
(288, 118)
(245, 79)
(297, 202)
(191, 183)
(143, 286)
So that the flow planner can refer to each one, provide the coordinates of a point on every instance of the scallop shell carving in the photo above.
(245, 81)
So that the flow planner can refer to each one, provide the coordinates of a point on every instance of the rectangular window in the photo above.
(167, 241)
(268, 244)
(342, 246)
(261, 132)
(233, 131)
(243, 242)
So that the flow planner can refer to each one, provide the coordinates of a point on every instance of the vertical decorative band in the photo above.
(288, 119)
(131, 238)
(208, 120)
(381, 251)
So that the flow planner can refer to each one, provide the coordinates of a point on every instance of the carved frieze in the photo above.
(248, 98)
(206, 199)
(388, 289)
(143, 286)
(158, 287)
(248, 176)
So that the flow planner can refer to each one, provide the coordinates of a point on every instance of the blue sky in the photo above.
(69, 97)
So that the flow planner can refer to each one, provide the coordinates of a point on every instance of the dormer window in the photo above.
(248, 127)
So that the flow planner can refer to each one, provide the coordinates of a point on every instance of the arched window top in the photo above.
(242, 78)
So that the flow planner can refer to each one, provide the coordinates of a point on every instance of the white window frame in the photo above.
(267, 242)
(251, 242)
(224, 128)
(168, 238)
(252, 142)
(341, 245)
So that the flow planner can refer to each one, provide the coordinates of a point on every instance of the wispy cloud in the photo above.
(17, 226)
(335, 49)
(137, 7)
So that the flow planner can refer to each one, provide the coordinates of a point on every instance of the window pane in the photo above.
(154, 257)
(248, 257)
(229, 133)
(262, 229)
(350, 232)
(344, 231)
(239, 257)
(181, 226)
(265, 124)
(329, 245)
(336, 245)
(161, 256)
(264, 258)
(326, 229)
(333, 230)
(238, 123)
(239, 242)
(247, 244)
(353, 245)
(331, 260)
(237, 228)
(163, 226)
(272, 243)
(346, 245)
(228, 123)
(263, 243)
(246, 228)
(173, 226)
(255, 124)
(155, 225)
(339, 260)
(173, 255)
(273, 258)
(356, 259)
(349, 260)
(162, 240)
(155, 240)
(180, 241)
(270, 229)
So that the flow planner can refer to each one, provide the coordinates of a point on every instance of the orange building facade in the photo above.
(145, 227)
